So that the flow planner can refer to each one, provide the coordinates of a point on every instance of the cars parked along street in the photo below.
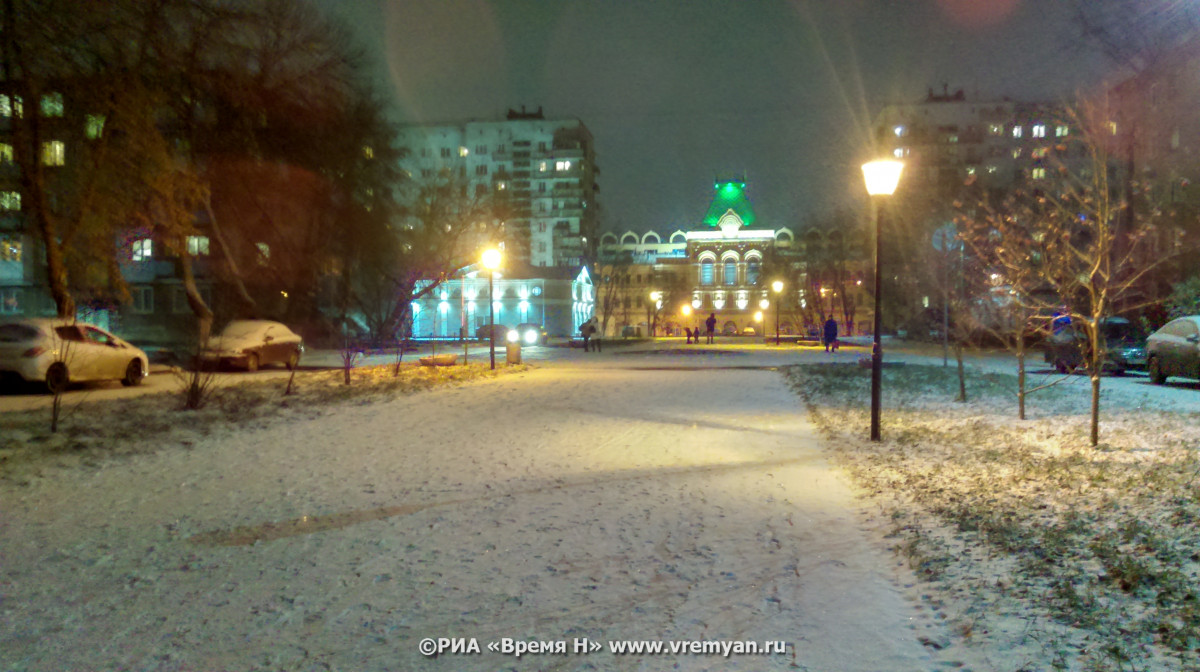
(1124, 347)
(1174, 350)
(57, 352)
(249, 344)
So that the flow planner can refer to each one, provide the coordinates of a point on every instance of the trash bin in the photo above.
(514, 352)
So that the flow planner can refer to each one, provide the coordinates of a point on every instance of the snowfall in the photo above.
(677, 498)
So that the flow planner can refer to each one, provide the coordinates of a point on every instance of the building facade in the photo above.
(557, 299)
(543, 170)
(726, 265)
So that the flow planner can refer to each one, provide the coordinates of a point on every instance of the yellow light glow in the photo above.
(758, 316)
(764, 304)
(686, 310)
(882, 176)
(777, 286)
(491, 259)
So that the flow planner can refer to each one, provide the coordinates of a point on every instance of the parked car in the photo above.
(1124, 347)
(530, 333)
(1174, 350)
(249, 344)
(484, 333)
(57, 352)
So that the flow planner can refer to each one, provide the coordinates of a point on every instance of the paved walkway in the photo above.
(611, 497)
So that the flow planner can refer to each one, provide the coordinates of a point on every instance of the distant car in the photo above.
(1124, 343)
(57, 352)
(530, 333)
(250, 344)
(484, 333)
(1174, 350)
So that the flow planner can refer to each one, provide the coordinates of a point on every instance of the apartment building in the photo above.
(543, 170)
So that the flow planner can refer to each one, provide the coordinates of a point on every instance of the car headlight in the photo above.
(513, 336)
(531, 337)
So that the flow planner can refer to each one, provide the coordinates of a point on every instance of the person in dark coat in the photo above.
(829, 336)
(711, 325)
(688, 331)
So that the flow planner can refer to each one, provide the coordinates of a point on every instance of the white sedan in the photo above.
(58, 352)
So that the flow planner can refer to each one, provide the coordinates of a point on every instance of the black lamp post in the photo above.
(491, 261)
(881, 178)
(778, 287)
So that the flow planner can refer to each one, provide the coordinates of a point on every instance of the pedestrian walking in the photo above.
(596, 335)
(711, 325)
(830, 334)
(688, 331)
(585, 330)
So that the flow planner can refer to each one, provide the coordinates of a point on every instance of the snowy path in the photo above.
(586, 498)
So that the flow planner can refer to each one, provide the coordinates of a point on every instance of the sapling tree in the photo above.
(1057, 243)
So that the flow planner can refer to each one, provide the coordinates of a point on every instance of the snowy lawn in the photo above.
(93, 431)
(1065, 556)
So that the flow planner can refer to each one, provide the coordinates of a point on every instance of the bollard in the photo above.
(513, 353)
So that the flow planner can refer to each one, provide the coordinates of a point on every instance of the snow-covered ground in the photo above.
(673, 496)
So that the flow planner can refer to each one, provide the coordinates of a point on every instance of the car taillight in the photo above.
(34, 351)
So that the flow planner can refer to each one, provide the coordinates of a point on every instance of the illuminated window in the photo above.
(1112, 127)
(264, 253)
(706, 272)
(900, 152)
(991, 170)
(752, 269)
(1062, 131)
(10, 200)
(730, 273)
(970, 170)
(900, 131)
(93, 126)
(10, 300)
(142, 249)
(10, 247)
(463, 151)
(52, 105)
(543, 166)
(1038, 173)
(562, 165)
(1040, 152)
(368, 152)
(143, 299)
(995, 129)
(1038, 131)
(1017, 153)
(6, 153)
(501, 186)
(1018, 131)
(197, 246)
(952, 139)
(54, 153)
(11, 106)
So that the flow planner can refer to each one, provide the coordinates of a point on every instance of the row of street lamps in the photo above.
(881, 178)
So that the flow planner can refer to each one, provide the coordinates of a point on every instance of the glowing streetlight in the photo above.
(881, 178)
(655, 298)
(777, 287)
(491, 261)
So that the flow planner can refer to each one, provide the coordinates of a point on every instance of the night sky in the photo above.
(677, 92)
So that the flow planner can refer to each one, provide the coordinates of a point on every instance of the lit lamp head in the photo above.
(686, 310)
(491, 259)
(777, 286)
(758, 316)
(764, 304)
(882, 176)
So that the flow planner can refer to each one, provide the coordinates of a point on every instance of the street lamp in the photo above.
(881, 178)
(652, 310)
(777, 287)
(491, 261)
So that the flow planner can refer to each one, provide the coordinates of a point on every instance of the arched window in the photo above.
(752, 272)
(730, 275)
(706, 272)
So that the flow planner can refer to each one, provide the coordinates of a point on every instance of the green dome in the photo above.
(731, 195)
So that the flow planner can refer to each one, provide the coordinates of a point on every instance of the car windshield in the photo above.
(17, 333)
(1122, 331)
(241, 329)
